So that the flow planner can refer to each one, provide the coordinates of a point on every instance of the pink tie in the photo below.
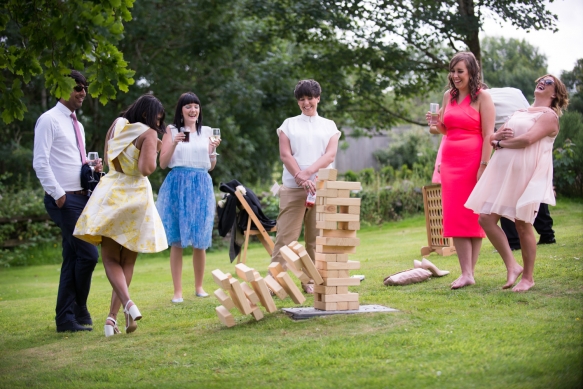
(79, 139)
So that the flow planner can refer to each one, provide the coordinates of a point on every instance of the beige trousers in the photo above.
(292, 213)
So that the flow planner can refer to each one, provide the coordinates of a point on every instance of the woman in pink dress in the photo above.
(520, 177)
(467, 118)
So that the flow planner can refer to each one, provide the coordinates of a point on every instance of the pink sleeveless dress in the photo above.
(460, 162)
(516, 181)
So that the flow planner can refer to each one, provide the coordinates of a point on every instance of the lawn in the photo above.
(477, 337)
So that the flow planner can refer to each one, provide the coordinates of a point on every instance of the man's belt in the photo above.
(75, 192)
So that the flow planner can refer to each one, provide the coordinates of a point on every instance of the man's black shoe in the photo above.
(83, 316)
(514, 248)
(72, 326)
(547, 241)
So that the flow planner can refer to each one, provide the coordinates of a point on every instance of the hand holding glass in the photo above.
(92, 160)
(216, 136)
(434, 110)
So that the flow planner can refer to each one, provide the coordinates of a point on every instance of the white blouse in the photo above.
(194, 153)
(309, 136)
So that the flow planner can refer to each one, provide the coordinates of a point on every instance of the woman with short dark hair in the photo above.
(121, 214)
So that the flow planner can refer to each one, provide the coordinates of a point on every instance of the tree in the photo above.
(512, 62)
(574, 81)
(49, 37)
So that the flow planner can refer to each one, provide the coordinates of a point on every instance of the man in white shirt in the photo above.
(59, 153)
(507, 101)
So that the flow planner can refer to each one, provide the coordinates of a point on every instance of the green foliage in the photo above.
(389, 204)
(568, 155)
(349, 175)
(512, 63)
(574, 81)
(48, 38)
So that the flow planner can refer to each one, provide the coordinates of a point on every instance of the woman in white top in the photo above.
(186, 199)
(307, 143)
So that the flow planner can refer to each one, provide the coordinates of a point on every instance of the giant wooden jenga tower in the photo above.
(338, 219)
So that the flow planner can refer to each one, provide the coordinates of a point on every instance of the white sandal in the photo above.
(111, 330)
(132, 315)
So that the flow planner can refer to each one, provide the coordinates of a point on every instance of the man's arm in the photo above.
(44, 132)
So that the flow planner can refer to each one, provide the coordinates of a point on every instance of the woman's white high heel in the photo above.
(111, 330)
(132, 315)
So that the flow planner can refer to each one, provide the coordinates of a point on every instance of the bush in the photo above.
(390, 203)
(568, 155)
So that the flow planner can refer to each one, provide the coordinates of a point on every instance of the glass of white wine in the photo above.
(216, 136)
(92, 160)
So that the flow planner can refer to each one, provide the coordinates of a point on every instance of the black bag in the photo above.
(86, 178)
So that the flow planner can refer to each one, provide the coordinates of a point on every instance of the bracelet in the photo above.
(485, 163)
(498, 145)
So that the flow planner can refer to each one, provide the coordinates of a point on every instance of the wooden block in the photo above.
(221, 279)
(297, 248)
(244, 272)
(256, 312)
(321, 289)
(343, 273)
(325, 306)
(335, 241)
(349, 265)
(324, 225)
(338, 233)
(300, 275)
(327, 174)
(225, 316)
(342, 289)
(335, 249)
(250, 293)
(317, 296)
(331, 257)
(336, 298)
(260, 287)
(341, 201)
(310, 269)
(291, 257)
(327, 208)
(354, 210)
(290, 287)
(275, 268)
(320, 185)
(256, 274)
(343, 185)
(342, 306)
(275, 287)
(341, 282)
(328, 193)
(224, 299)
(329, 274)
(344, 193)
(320, 200)
(353, 226)
(341, 217)
(238, 297)
(353, 305)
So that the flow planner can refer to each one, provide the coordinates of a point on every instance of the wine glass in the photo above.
(434, 109)
(92, 160)
(216, 136)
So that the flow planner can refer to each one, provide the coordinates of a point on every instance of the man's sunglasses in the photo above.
(79, 88)
(546, 81)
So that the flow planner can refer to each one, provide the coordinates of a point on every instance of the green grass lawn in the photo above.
(476, 337)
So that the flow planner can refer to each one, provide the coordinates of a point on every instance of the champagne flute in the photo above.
(92, 160)
(434, 109)
(216, 136)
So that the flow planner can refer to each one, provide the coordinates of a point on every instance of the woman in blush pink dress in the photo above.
(520, 177)
(467, 118)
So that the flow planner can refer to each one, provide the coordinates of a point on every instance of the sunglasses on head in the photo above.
(79, 88)
(546, 81)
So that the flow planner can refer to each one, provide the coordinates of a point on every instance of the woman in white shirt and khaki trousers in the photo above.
(307, 143)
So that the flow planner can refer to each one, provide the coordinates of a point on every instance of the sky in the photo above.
(562, 48)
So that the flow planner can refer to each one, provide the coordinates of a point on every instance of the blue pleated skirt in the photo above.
(186, 204)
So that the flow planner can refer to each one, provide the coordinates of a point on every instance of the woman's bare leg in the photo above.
(498, 239)
(528, 246)
(198, 263)
(176, 270)
(463, 247)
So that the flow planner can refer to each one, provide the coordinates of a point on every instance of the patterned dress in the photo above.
(122, 206)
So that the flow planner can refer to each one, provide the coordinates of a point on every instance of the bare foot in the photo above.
(523, 286)
(463, 281)
(456, 280)
(512, 276)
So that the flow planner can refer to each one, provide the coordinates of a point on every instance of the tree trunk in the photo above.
(472, 39)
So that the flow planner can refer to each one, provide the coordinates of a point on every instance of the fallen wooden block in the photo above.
(336, 241)
(291, 257)
(290, 287)
(275, 268)
(275, 287)
(310, 269)
(221, 279)
(300, 275)
(341, 282)
(260, 287)
(327, 174)
(238, 297)
(250, 293)
(335, 249)
(225, 316)
(256, 312)
(225, 300)
(244, 272)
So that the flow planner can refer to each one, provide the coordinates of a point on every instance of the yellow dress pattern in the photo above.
(122, 206)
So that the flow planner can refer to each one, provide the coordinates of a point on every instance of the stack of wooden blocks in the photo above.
(338, 219)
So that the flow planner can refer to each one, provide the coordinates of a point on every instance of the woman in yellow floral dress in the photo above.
(121, 214)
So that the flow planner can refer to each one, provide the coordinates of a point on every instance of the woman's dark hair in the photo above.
(185, 99)
(473, 71)
(307, 88)
(146, 110)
